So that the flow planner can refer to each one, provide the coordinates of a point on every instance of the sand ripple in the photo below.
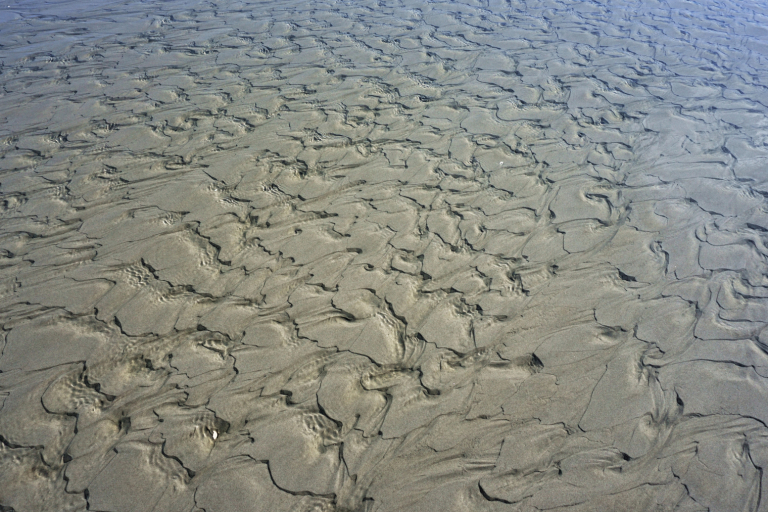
(383, 256)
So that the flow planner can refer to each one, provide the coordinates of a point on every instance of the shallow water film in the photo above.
(383, 256)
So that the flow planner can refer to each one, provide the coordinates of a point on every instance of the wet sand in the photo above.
(383, 256)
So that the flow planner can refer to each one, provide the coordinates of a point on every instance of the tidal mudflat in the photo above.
(383, 256)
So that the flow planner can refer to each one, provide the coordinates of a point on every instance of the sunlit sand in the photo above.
(383, 256)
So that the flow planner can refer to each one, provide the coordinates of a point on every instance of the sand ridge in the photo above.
(381, 256)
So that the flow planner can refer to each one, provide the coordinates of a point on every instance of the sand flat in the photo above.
(383, 256)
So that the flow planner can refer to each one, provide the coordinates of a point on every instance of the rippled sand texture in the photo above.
(394, 256)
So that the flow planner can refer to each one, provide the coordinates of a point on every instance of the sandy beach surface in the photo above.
(383, 256)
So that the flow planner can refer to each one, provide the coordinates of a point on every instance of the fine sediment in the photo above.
(383, 256)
